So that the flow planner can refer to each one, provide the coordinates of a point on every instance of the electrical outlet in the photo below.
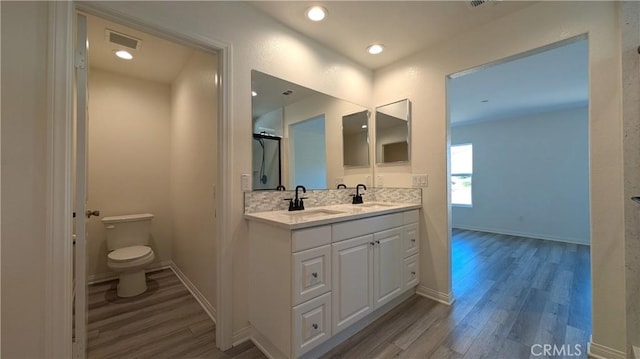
(245, 182)
(379, 181)
(367, 180)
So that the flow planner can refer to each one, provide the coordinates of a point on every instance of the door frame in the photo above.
(61, 57)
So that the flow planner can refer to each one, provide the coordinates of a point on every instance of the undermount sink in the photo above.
(311, 213)
(375, 205)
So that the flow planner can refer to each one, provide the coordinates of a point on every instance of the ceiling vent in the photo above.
(476, 3)
(120, 39)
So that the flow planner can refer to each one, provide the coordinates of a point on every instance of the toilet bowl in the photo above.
(130, 263)
(129, 251)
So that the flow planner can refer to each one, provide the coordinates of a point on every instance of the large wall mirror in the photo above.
(393, 132)
(298, 137)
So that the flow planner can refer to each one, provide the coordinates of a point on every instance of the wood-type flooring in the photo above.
(516, 298)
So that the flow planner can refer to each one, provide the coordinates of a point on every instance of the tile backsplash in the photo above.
(261, 201)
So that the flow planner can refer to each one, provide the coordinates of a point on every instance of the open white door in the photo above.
(80, 272)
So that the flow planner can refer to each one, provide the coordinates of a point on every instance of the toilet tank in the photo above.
(128, 230)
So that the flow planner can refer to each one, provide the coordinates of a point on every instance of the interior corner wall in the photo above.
(422, 77)
(530, 176)
(24, 163)
(128, 156)
(194, 122)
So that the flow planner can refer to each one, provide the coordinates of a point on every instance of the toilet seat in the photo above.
(128, 254)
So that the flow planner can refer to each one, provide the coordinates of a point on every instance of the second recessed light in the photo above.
(316, 13)
(375, 49)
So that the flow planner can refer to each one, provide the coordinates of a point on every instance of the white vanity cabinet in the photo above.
(307, 285)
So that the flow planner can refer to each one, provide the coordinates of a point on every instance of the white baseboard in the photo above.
(445, 298)
(598, 351)
(636, 352)
(200, 298)
(242, 335)
(105, 277)
(525, 234)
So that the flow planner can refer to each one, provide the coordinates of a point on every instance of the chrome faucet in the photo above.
(297, 204)
(357, 198)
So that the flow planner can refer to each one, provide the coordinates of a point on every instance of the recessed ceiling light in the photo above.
(125, 55)
(364, 126)
(316, 13)
(375, 49)
(254, 94)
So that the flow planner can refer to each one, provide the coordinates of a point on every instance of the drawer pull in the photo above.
(314, 274)
(373, 244)
(413, 240)
(413, 273)
(377, 242)
(314, 325)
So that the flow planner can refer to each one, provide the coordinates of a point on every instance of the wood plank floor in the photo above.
(511, 293)
(164, 322)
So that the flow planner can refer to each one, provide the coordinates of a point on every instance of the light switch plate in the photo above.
(379, 181)
(367, 180)
(420, 180)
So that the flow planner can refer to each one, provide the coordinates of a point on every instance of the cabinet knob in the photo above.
(314, 274)
(373, 244)
(377, 242)
(413, 273)
(314, 325)
(413, 239)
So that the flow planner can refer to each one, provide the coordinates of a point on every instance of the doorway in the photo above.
(518, 167)
(152, 148)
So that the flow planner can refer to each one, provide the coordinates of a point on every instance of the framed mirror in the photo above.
(393, 132)
(355, 139)
(304, 127)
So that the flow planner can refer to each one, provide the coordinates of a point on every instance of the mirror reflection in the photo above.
(300, 139)
(393, 132)
(355, 139)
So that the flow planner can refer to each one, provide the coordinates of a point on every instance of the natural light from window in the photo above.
(461, 174)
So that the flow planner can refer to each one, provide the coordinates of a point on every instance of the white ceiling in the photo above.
(404, 27)
(549, 80)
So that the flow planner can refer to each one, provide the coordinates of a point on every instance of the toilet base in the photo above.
(131, 284)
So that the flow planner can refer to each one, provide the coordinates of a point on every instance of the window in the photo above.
(461, 174)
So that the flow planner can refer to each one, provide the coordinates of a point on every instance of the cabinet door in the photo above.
(352, 296)
(387, 265)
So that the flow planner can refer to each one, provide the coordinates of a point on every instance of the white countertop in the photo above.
(317, 216)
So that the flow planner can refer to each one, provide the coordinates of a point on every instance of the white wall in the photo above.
(23, 138)
(530, 176)
(194, 109)
(129, 144)
(421, 78)
(270, 122)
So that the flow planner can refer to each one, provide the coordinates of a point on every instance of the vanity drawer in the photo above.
(311, 324)
(411, 272)
(411, 216)
(311, 273)
(302, 239)
(361, 227)
(410, 240)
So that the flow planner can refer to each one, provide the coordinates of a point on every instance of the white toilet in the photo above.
(129, 251)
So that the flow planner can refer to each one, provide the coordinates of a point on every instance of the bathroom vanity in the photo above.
(319, 275)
